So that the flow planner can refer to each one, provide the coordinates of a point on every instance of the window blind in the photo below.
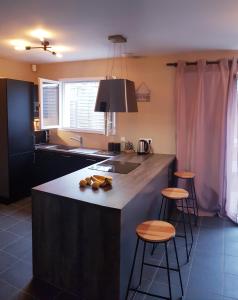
(78, 107)
(50, 104)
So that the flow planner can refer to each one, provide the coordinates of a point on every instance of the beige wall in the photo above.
(155, 119)
(16, 70)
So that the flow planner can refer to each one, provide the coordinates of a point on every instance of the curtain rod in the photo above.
(193, 63)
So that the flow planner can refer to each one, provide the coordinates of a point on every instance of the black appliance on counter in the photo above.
(41, 137)
(16, 139)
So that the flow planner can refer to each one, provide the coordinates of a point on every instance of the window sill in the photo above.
(80, 130)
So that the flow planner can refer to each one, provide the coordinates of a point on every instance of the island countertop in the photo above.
(84, 240)
(124, 188)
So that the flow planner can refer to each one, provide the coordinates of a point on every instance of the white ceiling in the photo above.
(151, 26)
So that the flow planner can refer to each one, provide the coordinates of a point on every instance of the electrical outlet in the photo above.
(149, 140)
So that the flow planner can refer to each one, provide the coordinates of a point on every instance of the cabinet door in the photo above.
(21, 167)
(20, 116)
(45, 167)
(50, 165)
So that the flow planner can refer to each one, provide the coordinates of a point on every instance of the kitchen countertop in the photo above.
(125, 186)
(84, 240)
(76, 150)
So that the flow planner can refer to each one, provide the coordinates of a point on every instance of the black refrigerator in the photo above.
(16, 139)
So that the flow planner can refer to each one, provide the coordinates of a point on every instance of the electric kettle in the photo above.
(143, 147)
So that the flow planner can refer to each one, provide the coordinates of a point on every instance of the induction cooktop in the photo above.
(115, 166)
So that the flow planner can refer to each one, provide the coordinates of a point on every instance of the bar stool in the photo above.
(176, 194)
(154, 232)
(189, 177)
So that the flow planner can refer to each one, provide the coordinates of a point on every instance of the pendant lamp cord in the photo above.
(117, 58)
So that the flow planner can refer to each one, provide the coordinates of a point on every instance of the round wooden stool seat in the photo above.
(155, 231)
(175, 193)
(184, 174)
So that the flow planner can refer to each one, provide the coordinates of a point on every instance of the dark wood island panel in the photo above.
(84, 240)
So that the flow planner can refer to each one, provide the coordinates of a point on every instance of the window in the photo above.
(49, 108)
(77, 102)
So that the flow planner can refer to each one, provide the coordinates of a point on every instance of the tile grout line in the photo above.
(191, 264)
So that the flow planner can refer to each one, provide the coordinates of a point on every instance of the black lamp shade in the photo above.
(116, 95)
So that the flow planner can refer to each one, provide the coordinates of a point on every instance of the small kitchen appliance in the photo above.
(143, 147)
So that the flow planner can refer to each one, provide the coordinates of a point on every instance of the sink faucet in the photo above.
(79, 139)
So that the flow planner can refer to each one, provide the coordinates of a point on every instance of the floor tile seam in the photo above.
(9, 214)
(9, 267)
(11, 243)
(223, 281)
(154, 276)
(17, 235)
(10, 284)
(233, 274)
(191, 262)
(12, 225)
(14, 256)
(8, 253)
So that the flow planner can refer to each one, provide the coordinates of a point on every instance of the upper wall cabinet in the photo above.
(49, 93)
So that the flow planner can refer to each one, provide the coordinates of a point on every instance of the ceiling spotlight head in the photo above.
(54, 53)
(28, 48)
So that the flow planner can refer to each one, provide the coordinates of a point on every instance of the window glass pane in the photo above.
(50, 104)
(78, 107)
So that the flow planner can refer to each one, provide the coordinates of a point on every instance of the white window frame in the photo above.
(40, 93)
(61, 81)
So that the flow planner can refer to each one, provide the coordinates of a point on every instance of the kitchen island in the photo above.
(84, 240)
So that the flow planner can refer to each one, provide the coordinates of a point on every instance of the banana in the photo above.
(102, 180)
(101, 177)
(94, 179)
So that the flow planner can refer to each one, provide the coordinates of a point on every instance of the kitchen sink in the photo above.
(73, 149)
(83, 151)
(64, 147)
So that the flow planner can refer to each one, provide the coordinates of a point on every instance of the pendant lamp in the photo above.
(116, 95)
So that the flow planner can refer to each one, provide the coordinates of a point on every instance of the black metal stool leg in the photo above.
(142, 264)
(193, 201)
(163, 204)
(165, 207)
(132, 269)
(185, 233)
(168, 270)
(180, 277)
(190, 224)
(161, 207)
(195, 196)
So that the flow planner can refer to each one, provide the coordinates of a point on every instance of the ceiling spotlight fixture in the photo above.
(116, 93)
(45, 45)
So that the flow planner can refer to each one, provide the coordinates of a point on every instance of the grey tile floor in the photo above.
(211, 274)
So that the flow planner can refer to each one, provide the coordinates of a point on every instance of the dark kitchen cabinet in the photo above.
(16, 140)
(50, 165)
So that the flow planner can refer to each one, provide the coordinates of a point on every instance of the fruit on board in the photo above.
(83, 183)
(95, 185)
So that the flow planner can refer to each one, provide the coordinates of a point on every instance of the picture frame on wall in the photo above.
(143, 93)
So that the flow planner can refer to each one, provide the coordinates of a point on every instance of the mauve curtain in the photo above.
(231, 207)
(201, 100)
